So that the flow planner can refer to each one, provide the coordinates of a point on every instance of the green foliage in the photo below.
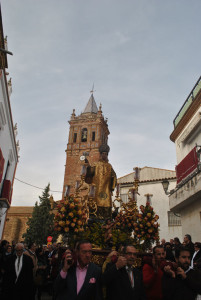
(95, 233)
(121, 237)
(41, 223)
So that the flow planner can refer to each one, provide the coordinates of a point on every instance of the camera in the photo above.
(69, 261)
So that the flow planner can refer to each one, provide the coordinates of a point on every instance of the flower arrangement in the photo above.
(137, 226)
(142, 225)
(71, 216)
(147, 227)
(126, 221)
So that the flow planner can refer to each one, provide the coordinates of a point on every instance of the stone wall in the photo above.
(16, 219)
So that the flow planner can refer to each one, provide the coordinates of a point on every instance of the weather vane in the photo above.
(92, 90)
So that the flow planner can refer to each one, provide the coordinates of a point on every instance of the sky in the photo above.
(143, 58)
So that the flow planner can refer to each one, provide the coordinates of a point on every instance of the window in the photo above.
(93, 136)
(75, 137)
(84, 135)
(174, 219)
(124, 197)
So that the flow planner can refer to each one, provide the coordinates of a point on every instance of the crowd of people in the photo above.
(28, 269)
(169, 271)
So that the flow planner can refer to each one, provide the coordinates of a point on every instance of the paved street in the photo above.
(45, 296)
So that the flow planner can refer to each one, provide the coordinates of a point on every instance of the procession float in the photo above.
(107, 222)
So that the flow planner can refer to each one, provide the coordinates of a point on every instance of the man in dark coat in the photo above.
(196, 259)
(18, 277)
(188, 244)
(79, 281)
(181, 282)
(122, 280)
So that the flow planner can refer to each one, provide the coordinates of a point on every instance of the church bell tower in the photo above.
(87, 132)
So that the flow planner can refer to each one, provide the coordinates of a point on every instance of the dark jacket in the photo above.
(118, 286)
(67, 288)
(185, 289)
(190, 247)
(23, 286)
(197, 258)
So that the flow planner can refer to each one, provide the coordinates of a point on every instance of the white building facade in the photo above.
(151, 183)
(186, 197)
(8, 146)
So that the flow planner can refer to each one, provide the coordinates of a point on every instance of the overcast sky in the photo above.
(142, 56)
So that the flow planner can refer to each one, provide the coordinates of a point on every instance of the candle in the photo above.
(67, 191)
(92, 191)
(136, 173)
(149, 198)
(118, 188)
(133, 195)
(83, 170)
(77, 185)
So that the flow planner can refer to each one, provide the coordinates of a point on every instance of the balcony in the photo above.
(188, 187)
(188, 165)
(6, 190)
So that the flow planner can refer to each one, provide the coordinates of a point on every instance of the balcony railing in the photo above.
(188, 165)
(188, 102)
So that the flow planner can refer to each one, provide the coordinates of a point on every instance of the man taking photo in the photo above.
(80, 280)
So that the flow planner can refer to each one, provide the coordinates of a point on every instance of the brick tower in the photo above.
(87, 132)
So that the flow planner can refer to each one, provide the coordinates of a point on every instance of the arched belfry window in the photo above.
(93, 136)
(84, 135)
(75, 137)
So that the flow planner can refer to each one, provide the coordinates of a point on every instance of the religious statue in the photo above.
(102, 175)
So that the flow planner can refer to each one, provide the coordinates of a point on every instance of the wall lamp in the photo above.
(6, 51)
(3, 204)
(165, 184)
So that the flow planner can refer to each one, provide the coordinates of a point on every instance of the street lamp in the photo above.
(4, 204)
(165, 184)
(5, 51)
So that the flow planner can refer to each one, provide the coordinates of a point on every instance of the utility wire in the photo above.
(35, 186)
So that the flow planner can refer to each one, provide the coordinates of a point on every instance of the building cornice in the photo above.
(187, 117)
(145, 181)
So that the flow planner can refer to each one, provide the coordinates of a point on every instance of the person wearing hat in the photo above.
(102, 175)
